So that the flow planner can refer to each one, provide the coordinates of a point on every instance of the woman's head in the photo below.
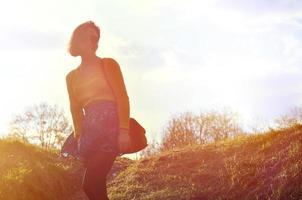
(84, 39)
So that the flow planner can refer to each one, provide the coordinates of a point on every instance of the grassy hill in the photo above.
(267, 166)
(28, 172)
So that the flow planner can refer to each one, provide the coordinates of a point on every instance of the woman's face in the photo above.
(83, 44)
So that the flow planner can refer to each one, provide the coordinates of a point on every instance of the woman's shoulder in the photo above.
(69, 74)
(110, 61)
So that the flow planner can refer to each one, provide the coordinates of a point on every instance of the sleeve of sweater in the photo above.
(120, 92)
(75, 108)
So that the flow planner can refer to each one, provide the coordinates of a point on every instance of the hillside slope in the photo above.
(265, 166)
(28, 172)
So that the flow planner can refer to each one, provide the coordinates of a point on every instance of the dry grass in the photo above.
(29, 172)
(267, 166)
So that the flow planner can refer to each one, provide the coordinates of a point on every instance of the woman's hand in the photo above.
(124, 141)
(77, 137)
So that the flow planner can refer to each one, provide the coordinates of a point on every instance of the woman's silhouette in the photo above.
(100, 115)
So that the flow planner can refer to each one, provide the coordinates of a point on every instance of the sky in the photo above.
(175, 55)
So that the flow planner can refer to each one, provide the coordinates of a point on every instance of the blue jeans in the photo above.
(98, 146)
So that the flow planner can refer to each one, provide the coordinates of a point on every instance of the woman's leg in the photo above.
(94, 180)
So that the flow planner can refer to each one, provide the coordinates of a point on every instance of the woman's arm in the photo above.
(75, 108)
(120, 93)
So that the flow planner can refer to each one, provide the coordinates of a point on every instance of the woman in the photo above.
(100, 113)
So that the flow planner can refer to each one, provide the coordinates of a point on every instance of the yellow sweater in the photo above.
(83, 88)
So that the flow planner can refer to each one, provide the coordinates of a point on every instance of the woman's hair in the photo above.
(85, 29)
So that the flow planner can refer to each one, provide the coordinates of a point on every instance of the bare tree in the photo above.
(179, 132)
(151, 149)
(189, 129)
(215, 125)
(18, 129)
(290, 119)
(43, 124)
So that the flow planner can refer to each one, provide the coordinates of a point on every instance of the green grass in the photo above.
(266, 166)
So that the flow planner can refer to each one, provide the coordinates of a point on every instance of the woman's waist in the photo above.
(98, 102)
